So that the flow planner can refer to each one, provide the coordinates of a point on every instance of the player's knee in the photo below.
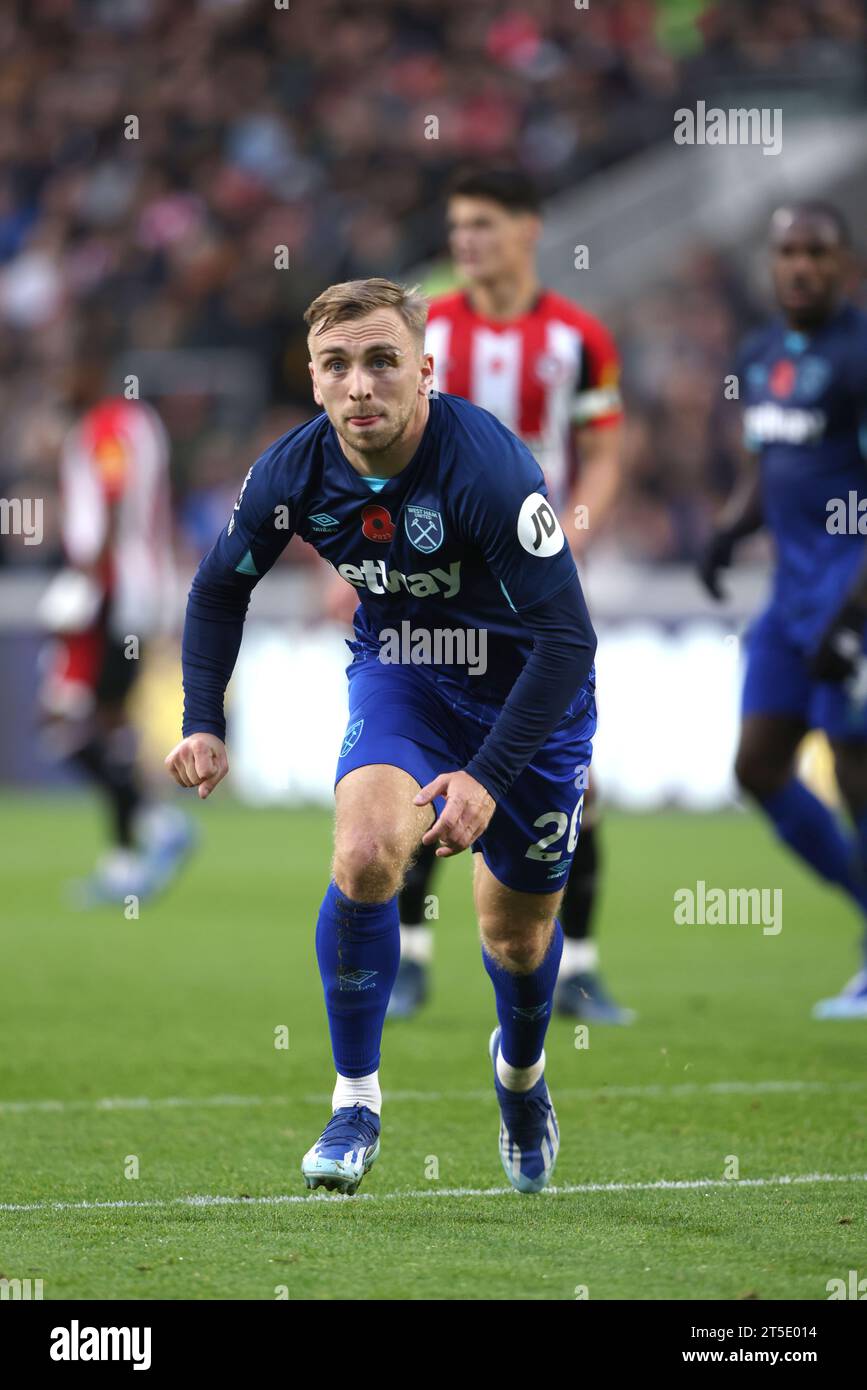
(368, 865)
(517, 947)
(757, 775)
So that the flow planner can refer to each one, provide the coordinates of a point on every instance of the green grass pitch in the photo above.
(173, 1017)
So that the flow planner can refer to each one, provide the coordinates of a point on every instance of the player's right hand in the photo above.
(199, 760)
(716, 556)
(840, 649)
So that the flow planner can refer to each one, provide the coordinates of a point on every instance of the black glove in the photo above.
(838, 653)
(716, 556)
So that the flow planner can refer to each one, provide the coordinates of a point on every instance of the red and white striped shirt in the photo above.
(115, 462)
(542, 374)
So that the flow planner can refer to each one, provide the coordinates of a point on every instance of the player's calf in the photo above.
(521, 947)
(516, 928)
(358, 949)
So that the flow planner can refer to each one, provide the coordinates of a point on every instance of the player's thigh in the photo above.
(591, 812)
(775, 709)
(525, 854)
(376, 819)
(516, 927)
(395, 742)
(532, 836)
(767, 746)
(118, 673)
(777, 679)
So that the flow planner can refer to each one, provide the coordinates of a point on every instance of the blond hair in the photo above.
(353, 299)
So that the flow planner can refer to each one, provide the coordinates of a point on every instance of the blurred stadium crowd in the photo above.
(254, 133)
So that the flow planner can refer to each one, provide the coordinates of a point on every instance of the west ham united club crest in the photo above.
(424, 528)
(351, 737)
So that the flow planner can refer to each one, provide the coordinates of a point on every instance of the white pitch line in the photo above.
(649, 1092)
(568, 1190)
(25, 1107)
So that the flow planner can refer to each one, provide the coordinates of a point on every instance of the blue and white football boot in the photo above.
(347, 1147)
(851, 1002)
(119, 874)
(169, 837)
(166, 837)
(410, 990)
(529, 1137)
(584, 996)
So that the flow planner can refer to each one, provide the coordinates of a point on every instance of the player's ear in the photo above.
(426, 374)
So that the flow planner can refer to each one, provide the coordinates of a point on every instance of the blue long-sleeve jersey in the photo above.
(805, 416)
(462, 538)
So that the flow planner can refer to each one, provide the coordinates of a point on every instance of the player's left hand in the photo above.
(465, 816)
(716, 556)
(838, 654)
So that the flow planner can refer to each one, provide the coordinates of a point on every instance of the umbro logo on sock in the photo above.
(537, 1011)
(356, 979)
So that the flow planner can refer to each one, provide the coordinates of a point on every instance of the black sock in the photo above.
(579, 899)
(113, 770)
(411, 900)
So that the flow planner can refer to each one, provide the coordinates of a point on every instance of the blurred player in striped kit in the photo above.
(549, 371)
(114, 594)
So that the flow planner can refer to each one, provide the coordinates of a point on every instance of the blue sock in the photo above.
(861, 829)
(813, 832)
(358, 949)
(524, 1004)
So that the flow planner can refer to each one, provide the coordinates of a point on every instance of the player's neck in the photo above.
(505, 299)
(813, 323)
(387, 463)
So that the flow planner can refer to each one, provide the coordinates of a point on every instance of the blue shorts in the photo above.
(778, 681)
(402, 716)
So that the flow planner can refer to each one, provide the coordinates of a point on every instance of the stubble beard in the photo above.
(381, 438)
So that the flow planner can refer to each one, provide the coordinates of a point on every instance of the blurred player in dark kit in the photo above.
(803, 388)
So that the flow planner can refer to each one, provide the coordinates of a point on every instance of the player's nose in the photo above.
(358, 388)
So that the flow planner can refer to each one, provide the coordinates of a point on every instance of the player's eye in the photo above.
(382, 361)
(334, 363)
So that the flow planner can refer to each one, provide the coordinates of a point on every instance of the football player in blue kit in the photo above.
(438, 516)
(803, 387)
